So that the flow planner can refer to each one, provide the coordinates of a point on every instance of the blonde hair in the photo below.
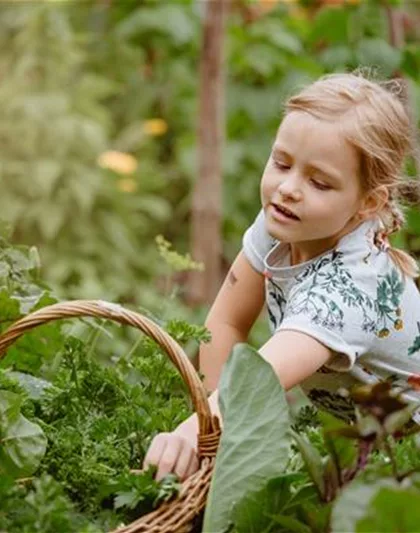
(375, 122)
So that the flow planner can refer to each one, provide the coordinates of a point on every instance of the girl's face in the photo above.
(312, 172)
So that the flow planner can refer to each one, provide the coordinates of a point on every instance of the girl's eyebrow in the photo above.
(329, 172)
(278, 151)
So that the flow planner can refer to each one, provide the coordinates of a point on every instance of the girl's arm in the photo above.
(234, 311)
(293, 355)
(237, 306)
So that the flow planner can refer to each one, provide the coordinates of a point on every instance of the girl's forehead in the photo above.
(305, 136)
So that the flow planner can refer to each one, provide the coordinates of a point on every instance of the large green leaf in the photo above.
(353, 503)
(255, 442)
(392, 509)
(9, 408)
(22, 443)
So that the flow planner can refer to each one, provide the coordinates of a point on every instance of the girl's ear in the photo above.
(373, 202)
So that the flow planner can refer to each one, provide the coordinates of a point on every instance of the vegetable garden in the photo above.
(74, 431)
(98, 125)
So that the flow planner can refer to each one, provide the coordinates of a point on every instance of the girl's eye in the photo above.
(321, 186)
(281, 166)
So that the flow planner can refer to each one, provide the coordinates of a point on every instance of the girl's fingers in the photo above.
(169, 458)
(172, 453)
(186, 461)
(156, 450)
(193, 466)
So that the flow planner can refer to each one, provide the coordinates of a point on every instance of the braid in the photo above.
(397, 218)
(393, 221)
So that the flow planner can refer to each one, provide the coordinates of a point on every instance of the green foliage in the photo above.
(76, 83)
(43, 508)
(392, 509)
(22, 443)
(255, 441)
(347, 474)
(140, 492)
(80, 428)
(96, 77)
(89, 232)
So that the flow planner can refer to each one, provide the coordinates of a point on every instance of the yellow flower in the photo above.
(127, 185)
(383, 333)
(155, 127)
(119, 162)
(398, 324)
(299, 12)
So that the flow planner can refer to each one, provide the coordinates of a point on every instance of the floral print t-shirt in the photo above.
(354, 300)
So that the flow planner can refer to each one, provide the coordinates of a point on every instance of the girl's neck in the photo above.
(301, 252)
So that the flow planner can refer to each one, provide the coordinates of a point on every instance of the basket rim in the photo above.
(208, 424)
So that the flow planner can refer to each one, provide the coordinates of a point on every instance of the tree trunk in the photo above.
(206, 237)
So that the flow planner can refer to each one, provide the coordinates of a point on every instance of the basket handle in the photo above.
(209, 428)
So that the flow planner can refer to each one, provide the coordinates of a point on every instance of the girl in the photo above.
(342, 304)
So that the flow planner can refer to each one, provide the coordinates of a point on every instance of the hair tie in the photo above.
(381, 241)
(385, 246)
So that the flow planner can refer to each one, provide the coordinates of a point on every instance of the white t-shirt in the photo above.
(354, 300)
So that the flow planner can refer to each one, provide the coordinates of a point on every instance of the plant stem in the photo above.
(390, 452)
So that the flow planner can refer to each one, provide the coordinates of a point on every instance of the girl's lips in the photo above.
(278, 215)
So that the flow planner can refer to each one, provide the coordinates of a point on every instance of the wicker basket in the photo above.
(177, 515)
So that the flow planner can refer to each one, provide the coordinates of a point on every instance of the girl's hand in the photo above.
(172, 452)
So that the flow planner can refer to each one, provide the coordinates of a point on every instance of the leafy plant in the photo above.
(336, 465)
(255, 440)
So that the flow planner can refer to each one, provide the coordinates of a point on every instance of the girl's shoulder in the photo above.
(256, 242)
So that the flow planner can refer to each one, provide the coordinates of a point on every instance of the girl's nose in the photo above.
(290, 186)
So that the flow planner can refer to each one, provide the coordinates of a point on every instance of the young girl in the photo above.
(342, 304)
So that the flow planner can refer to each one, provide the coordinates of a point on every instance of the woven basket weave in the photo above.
(177, 515)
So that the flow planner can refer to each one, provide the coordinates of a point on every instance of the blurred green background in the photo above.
(98, 123)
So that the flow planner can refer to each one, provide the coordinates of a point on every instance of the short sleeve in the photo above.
(334, 305)
(257, 243)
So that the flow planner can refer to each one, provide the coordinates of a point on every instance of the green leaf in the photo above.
(331, 25)
(352, 503)
(378, 53)
(9, 408)
(411, 61)
(22, 443)
(391, 510)
(33, 386)
(313, 461)
(281, 495)
(291, 524)
(126, 499)
(413, 219)
(46, 173)
(264, 60)
(255, 441)
(10, 309)
(170, 20)
(342, 448)
(337, 57)
(273, 31)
